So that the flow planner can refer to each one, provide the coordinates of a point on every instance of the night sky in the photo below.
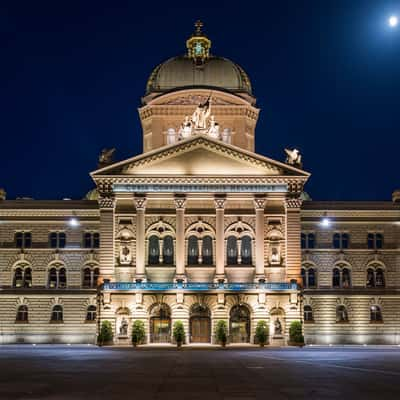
(326, 74)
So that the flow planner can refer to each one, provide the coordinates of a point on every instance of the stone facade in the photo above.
(199, 228)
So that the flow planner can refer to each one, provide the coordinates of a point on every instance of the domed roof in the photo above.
(198, 68)
(182, 72)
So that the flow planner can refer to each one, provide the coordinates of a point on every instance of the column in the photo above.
(219, 239)
(293, 248)
(259, 205)
(140, 204)
(200, 251)
(180, 238)
(106, 204)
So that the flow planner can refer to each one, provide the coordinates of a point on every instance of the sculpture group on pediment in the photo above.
(201, 122)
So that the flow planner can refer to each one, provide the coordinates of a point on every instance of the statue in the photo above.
(277, 327)
(125, 256)
(201, 114)
(106, 157)
(293, 157)
(186, 129)
(274, 256)
(123, 328)
(213, 132)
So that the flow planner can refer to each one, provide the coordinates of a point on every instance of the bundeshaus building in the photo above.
(199, 228)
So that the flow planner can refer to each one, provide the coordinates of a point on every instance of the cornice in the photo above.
(184, 146)
(49, 213)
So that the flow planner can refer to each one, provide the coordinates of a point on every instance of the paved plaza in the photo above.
(89, 372)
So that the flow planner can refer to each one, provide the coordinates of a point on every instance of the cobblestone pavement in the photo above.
(78, 372)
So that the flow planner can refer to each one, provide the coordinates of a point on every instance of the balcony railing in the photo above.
(193, 286)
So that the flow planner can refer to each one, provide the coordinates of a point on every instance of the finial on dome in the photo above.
(198, 45)
(198, 25)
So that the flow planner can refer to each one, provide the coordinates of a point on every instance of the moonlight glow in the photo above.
(393, 21)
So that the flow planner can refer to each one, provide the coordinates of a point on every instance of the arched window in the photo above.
(62, 278)
(245, 250)
(308, 277)
(379, 278)
(96, 275)
(370, 278)
(87, 281)
(22, 277)
(168, 250)
(308, 314)
(336, 278)
(375, 314)
(207, 250)
(22, 314)
(193, 250)
(154, 250)
(57, 278)
(57, 313)
(341, 314)
(91, 314)
(18, 277)
(312, 281)
(341, 277)
(346, 278)
(231, 251)
(90, 276)
(52, 278)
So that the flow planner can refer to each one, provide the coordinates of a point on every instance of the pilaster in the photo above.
(140, 204)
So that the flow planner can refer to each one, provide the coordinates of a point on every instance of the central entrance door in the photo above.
(160, 324)
(200, 324)
(239, 324)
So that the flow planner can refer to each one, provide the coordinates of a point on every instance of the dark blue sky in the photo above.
(326, 75)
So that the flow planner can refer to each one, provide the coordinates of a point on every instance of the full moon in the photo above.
(393, 21)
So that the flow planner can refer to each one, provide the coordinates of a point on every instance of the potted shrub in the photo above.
(221, 332)
(106, 334)
(296, 337)
(179, 333)
(262, 333)
(138, 332)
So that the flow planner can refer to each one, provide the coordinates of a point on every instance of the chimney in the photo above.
(396, 196)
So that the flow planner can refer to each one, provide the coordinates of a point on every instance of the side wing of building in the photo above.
(48, 271)
(351, 271)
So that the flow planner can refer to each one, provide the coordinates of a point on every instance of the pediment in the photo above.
(199, 156)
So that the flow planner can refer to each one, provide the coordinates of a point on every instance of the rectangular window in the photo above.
(57, 240)
(23, 239)
(341, 240)
(308, 240)
(91, 240)
(375, 240)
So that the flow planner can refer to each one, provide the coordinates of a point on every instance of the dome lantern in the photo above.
(198, 45)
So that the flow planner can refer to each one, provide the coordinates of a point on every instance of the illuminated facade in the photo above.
(199, 228)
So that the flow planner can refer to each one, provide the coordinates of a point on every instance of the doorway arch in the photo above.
(160, 323)
(239, 324)
(200, 324)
